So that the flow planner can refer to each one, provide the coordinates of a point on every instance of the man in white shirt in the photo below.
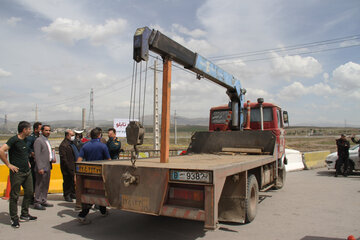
(43, 158)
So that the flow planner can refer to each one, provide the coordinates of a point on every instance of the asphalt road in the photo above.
(312, 205)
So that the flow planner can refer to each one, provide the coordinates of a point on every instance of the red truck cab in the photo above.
(273, 120)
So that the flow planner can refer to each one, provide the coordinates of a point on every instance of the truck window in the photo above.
(255, 114)
(219, 117)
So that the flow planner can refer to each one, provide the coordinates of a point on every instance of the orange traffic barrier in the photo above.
(8, 189)
(247, 127)
(227, 121)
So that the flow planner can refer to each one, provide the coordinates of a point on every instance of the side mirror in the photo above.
(286, 117)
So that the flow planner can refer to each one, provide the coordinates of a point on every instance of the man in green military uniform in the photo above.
(113, 144)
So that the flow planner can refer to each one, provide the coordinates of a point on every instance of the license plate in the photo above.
(191, 176)
(88, 169)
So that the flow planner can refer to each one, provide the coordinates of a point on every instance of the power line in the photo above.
(268, 58)
(287, 48)
(277, 50)
(83, 97)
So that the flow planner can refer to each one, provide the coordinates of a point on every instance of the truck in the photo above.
(222, 172)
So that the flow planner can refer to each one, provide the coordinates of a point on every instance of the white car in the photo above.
(354, 163)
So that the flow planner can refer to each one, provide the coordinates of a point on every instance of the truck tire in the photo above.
(252, 198)
(280, 181)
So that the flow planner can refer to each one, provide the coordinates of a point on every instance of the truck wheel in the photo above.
(252, 198)
(280, 181)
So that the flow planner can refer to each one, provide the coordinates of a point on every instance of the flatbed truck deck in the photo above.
(213, 162)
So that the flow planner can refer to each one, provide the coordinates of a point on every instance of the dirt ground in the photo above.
(311, 143)
(304, 139)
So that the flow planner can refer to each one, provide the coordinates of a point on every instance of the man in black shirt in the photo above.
(30, 142)
(20, 173)
(67, 164)
(343, 146)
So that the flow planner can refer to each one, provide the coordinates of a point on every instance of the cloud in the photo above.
(293, 91)
(235, 63)
(194, 40)
(98, 80)
(297, 90)
(320, 89)
(347, 76)
(350, 43)
(101, 76)
(4, 73)
(70, 31)
(295, 66)
(253, 94)
(52, 9)
(57, 89)
(196, 33)
(3, 104)
(238, 26)
(326, 77)
(13, 21)
(345, 83)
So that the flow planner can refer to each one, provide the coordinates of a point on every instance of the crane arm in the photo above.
(146, 39)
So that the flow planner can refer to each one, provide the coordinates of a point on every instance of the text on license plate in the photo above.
(190, 176)
(89, 169)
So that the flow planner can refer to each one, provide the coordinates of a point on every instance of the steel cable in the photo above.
(131, 93)
(143, 113)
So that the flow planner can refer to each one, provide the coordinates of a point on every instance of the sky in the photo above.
(301, 55)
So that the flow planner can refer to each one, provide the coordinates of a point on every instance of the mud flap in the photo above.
(233, 197)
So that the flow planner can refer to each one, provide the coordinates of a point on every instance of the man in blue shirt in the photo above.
(93, 151)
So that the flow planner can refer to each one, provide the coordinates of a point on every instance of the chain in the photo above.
(134, 155)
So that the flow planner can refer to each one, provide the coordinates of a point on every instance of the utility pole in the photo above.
(91, 119)
(5, 123)
(156, 110)
(36, 113)
(83, 125)
(175, 128)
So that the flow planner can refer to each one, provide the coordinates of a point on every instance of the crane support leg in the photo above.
(165, 112)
